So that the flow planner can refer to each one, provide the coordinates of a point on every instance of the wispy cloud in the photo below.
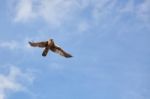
(55, 66)
(14, 80)
(54, 12)
(83, 26)
(58, 12)
(10, 45)
(24, 11)
(143, 10)
(15, 45)
(140, 10)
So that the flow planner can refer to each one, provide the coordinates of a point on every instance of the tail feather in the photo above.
(45, 52)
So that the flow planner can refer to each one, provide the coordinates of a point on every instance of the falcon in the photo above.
(50, 45)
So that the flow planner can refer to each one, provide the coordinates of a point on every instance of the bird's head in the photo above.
(50, 39)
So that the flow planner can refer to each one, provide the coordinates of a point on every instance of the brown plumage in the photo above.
(50, 45)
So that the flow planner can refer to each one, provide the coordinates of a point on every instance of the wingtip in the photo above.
(69, 56)
(29, 42)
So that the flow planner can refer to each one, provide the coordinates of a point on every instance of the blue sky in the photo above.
(109, 40)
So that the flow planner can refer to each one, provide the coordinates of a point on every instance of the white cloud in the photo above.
(101, 8)
(143, 10)
(57, 12)
(14, 80)
(10, 45)
(55, 66)
(24, 10)
(52, 11)
(15, 45)
(83, 26)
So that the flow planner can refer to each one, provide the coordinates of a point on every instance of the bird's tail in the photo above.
(45, 52)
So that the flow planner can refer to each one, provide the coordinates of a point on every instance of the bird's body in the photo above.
(50, 45)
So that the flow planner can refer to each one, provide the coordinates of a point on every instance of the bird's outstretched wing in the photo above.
(38, 44)
(61, 52)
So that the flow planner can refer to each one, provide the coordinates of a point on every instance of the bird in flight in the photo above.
(50, 45)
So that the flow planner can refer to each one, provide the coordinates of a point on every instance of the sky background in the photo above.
(109, 40)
